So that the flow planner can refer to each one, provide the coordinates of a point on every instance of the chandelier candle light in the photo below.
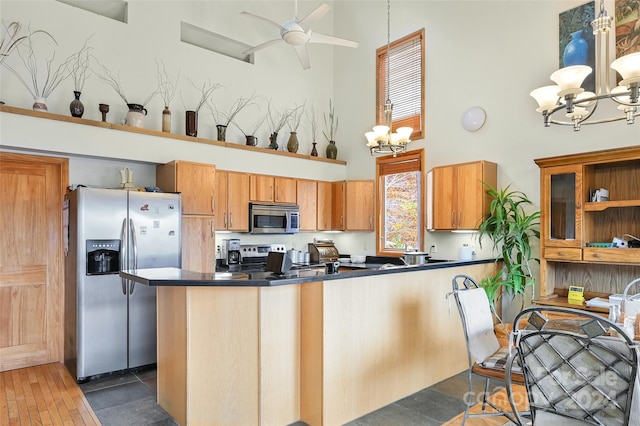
(382, 140)
(579, 105)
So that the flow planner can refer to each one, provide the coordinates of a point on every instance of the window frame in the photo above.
(388, 162)
(381, 83)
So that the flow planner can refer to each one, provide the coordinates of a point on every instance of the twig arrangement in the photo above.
(331, 123)
(312, 116)
(166, 87)
(113, 80)
(225, 118)
(10, 38)
(206, 90)
(277, 120)
(78, 66)
(296, 117)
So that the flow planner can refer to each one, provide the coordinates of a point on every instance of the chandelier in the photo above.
(567, 96)
(382, 140)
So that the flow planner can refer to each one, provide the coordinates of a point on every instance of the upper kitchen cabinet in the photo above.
(458, 198)
(324, 207)
(232, 201)
(353, 205)
(196, 182)
(272, 189)
(307, 200)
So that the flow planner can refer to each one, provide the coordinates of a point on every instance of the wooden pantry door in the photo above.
(32, 260)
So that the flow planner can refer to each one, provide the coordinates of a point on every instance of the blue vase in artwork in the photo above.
(575, 53)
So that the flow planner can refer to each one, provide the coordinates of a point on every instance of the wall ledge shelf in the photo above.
(156, 133)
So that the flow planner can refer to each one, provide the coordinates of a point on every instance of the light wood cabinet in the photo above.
(272, 189)
(307, 200)
(571, 223)
(324, 208)
(195, 181)
(232, 201)
(458, 195)
(353, 205)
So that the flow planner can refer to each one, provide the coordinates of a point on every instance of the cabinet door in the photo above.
(198, 243)
(238, 202)
(307, 193)
(337, 206)
(196, 182)
(444, 197)
(220, 205)
(261, 189)
(470, 194)
(324, 208)
(285, 190)
(359, 205)
(561, 205)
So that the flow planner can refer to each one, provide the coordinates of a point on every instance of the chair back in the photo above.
(572, 369)
(476, 317)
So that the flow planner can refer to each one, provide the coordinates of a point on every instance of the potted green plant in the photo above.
(511, 227)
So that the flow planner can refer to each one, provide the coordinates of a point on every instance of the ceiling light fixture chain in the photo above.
(579, 106)
(382, 140)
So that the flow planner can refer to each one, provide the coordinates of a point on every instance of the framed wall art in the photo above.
(627, 27)
(576, 40)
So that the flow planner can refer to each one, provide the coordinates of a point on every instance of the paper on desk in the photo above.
(598, 302)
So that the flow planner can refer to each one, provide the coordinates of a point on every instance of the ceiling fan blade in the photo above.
(262, 46)
(303, 56)
(262, 18)
(329, 39)
(307, 22)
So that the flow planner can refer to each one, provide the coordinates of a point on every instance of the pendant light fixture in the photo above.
(382, 140)
(579, 106)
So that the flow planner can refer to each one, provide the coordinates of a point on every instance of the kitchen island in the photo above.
(253, 349)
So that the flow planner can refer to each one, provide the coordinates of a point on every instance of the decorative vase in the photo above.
(251, 140)
(104, 109)
(332, 150)
(166, 120)
(135, 116)
(192, 123)
(314, 151)
(576, 51)
(76, 106)
(292, 144)
(39, 103)
(273, 144)
(222, 132)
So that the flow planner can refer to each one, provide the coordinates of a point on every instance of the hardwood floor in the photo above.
(45, 394)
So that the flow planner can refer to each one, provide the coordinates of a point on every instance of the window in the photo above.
(406, 77)
(400, 189)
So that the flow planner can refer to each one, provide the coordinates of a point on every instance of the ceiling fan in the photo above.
(297, 33)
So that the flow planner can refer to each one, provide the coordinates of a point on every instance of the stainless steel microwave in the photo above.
(274, 218)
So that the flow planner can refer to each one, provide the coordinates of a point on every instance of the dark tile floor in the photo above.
(130, 399)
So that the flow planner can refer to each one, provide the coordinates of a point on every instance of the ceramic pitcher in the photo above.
(135, 116)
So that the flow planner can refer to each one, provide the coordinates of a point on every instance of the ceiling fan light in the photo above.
(570, 78)
(628, 67)
(546, 96)
(295, 37)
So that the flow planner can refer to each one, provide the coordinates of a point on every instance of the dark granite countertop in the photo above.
(182, 277)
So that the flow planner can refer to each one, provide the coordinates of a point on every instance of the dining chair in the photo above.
(579, 368)
(487, 358)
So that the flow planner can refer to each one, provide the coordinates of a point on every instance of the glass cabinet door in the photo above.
(562, 206)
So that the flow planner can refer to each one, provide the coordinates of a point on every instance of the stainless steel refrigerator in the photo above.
(110, 322)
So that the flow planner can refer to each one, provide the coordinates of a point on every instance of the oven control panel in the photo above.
(260, 250)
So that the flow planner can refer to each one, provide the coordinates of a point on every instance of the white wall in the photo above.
(487, 53)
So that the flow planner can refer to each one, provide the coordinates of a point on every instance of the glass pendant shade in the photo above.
(585, 95)
(628, 67)
(547, 97)
(570, 78)
(621, 93)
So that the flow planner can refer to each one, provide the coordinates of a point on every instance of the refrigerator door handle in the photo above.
(123, 253)
(134, 246)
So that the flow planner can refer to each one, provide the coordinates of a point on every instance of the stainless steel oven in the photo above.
(274, 218)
